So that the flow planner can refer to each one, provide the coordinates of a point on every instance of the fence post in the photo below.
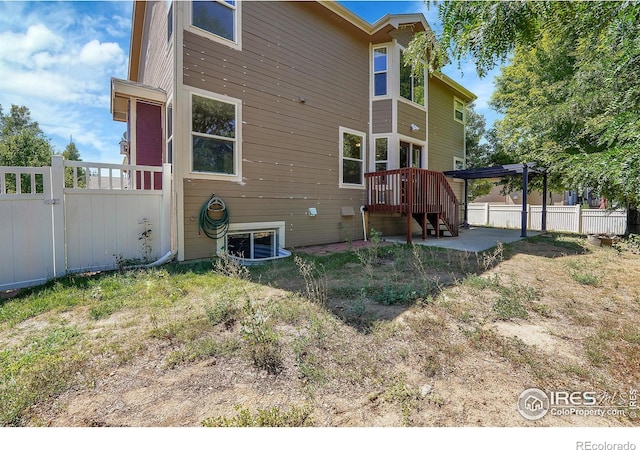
(579, 216)
(165, 211)
(486, 213)
(57, 216)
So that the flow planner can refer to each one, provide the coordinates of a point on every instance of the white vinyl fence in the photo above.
(111, 214)
(572, 219)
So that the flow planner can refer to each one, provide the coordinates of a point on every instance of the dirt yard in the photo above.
(551, 313)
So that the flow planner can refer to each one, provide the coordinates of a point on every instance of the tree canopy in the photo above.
(22, 142)
(569, 89)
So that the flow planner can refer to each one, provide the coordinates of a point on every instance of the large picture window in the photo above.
(214, 137)
(219, 18)
(411, 86)
(352, 151)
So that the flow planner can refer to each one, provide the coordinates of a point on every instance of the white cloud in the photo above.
(20, 47)
(57, 58)
(96, 53)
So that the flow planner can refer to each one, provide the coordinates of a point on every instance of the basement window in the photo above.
(254, 243)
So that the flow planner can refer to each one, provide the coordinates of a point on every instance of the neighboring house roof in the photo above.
(381, 27)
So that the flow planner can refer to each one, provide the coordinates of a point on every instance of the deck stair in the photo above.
(419, 194)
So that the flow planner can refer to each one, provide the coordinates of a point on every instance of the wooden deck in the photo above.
(420, 194)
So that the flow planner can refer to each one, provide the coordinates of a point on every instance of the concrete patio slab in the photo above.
(474, 239)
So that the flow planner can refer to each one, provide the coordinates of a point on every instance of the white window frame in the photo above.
(374, 72)
(254, 227)
(456, 100)
(424, 78)
(412, 143)
(363, 161)
(236, 43)
(457, 160)
(169, 130)
(374, 152)
(237, 162)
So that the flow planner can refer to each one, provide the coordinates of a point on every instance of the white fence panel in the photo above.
(559, 218)
(572, 219)
(106, 227)
(116, 218)
(505, 216)
(597, 221)
(111, 214)
(477, 213)
(26, 221)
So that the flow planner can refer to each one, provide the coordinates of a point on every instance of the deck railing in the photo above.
(413, 191)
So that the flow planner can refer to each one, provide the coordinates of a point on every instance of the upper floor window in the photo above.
(458, 110)
(380, 70)
(169, 20)
(218, 17)
(411, 86)
(352, 153)
(214, 135)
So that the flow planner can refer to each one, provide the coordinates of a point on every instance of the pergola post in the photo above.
(544, 201)
(525, 182)
(465, 221)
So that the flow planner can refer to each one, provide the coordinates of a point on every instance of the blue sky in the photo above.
(57, 59)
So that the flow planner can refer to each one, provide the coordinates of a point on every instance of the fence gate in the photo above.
(30, 210)
(47, 230)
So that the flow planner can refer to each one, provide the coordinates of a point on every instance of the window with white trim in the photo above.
(458, 163)
(410, 155)
(458, 110)
(253, 244)
(380, 71)
(411, 86)
(214, 135)
(218, 18)
(382, 153)
(352, 158)
(169, 19)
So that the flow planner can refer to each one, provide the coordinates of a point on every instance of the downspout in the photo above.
(165, 259)
(364, 226)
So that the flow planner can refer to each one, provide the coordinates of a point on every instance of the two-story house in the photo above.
(299, 116)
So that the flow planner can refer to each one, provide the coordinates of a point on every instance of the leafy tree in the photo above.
(71, 153)
(478, 153)
(22, 142)
(570, 93)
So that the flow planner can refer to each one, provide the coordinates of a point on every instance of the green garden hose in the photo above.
(214, 228)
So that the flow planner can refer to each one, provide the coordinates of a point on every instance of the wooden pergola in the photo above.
(524, 169)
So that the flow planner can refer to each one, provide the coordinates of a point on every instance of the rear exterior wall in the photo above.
(290, 149)
(446, 135)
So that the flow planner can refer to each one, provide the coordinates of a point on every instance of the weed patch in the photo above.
(36, 370)
(296, 416)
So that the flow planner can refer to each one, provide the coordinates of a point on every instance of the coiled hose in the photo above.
(214, 228)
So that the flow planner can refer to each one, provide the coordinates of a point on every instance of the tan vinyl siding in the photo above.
(409, 114)
(446, 135)
(289, 148)
(403, 36)
(382, 116)
(157, 53)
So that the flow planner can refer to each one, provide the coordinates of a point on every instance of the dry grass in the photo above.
(391, 336)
